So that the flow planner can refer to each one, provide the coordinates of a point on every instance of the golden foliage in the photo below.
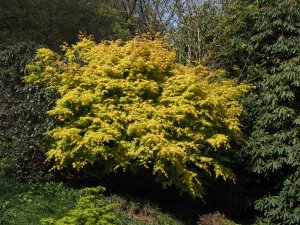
(130, 104)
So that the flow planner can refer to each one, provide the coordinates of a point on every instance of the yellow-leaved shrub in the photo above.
(130, 105)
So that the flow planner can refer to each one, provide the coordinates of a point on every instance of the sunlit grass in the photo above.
(27, 204)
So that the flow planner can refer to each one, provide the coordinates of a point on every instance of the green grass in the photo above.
(27, 204)
(23, 204)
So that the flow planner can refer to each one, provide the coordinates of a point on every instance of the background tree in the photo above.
(192, 28)
(53, 22)
(188, 24)
(261, 45)
(274, 144)
(151, 16)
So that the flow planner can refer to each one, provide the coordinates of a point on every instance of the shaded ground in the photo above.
(148, 194)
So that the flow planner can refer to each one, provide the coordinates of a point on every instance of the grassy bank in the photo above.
(27, 204)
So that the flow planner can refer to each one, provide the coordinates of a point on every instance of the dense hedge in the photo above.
(23, 117)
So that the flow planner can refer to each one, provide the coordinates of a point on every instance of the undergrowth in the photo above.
(29, 204)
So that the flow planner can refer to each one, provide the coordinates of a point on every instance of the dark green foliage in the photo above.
(53, 22)
(22, 116)
(261, 44)
(274, 145)
(231, 47)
